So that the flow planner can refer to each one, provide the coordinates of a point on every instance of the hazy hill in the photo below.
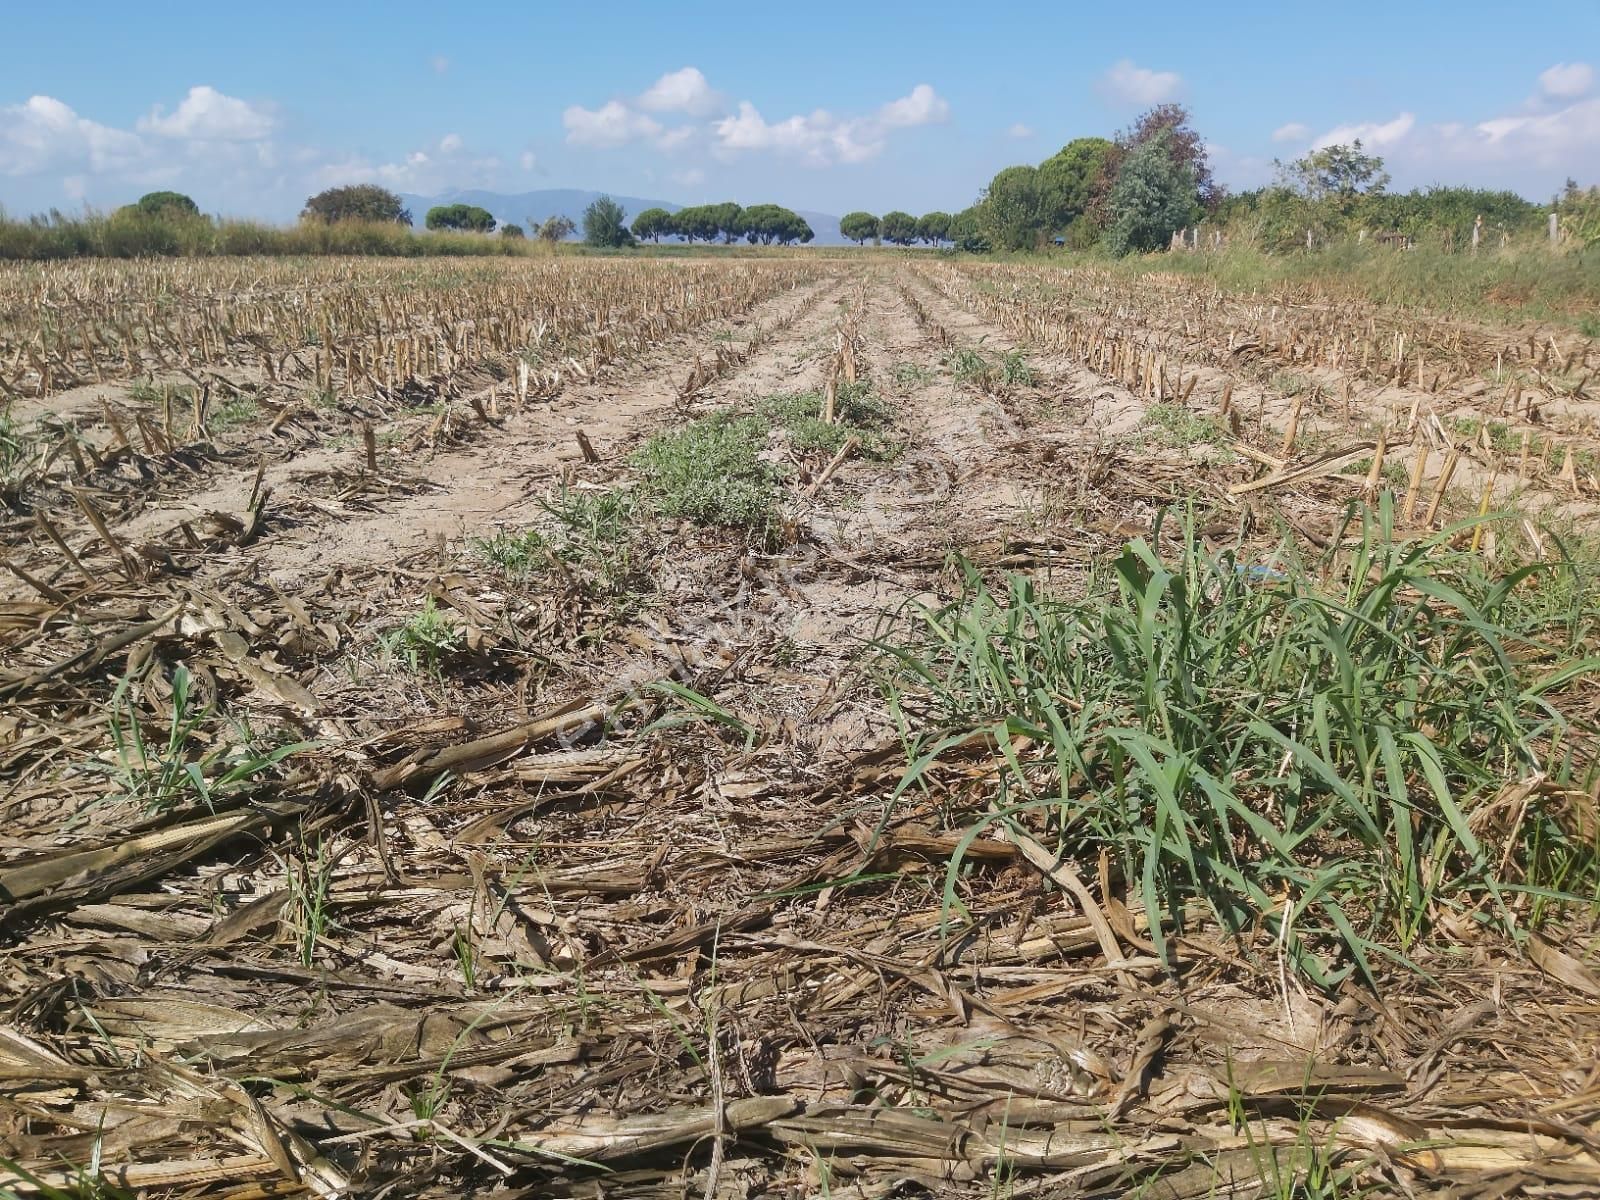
(525, 208)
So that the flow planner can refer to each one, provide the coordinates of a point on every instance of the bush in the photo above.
(128, 233)
(360, 202)
(556, 228)
(711, 473)
(512, 231)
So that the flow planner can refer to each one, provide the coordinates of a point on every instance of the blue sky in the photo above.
(823, 105)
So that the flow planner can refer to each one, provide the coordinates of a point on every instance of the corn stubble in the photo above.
(747, 804)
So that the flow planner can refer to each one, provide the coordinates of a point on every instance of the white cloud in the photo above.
(673, 139)
(690, 177)
(1567, 81)
(684, 91)
(205, 114)
(921, 106)
(820, 138)
(528, 160)
(1530, 148)
(1292, 132)
(612, 124)
(1020, 131)
(1569, 135)
(44, 134)
(425, 171)
(1372, 135)
(1134, 84)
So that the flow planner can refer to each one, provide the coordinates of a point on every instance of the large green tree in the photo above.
(933, 227)
(358, 202)
(460, 217)
(1013, 214)
(603, 224)
(768, 223)
(858, 226)
(966, 231)
(1155, 196)
(1183, 144)
(1076, 176)
(654, 223)
(898, 228)
(726, 220)
(695, 223)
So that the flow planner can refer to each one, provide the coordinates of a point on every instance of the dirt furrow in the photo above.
(466, 485)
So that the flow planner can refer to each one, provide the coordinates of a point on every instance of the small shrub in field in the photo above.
(1015, 371)
(236, 411)
(908, 375)
(710, 472)
(968, 366)
(593, 539)
(971, 366)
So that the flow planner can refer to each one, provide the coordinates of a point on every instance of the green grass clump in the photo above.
(908, 375)
(592, 543)
(515, 553)
(232, 413)
(185, 763)
(971, 366)
(1314, 753)
(857, 412)
(968, 366)
(1014, 370)
(710, 472)
(1174, 426)
(425, 640)
(18, 453)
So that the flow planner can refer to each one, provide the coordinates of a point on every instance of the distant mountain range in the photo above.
(534, 208)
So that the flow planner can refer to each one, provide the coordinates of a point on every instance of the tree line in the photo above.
(604, 220)
(897, 228)
(1131, 193)
(726, 222)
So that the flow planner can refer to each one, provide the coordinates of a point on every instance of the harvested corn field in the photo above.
(790, 726)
